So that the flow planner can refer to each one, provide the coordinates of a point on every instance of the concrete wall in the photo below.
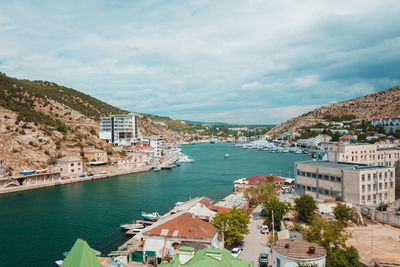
(380, 216)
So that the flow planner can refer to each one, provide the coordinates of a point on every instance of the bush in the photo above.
(382, 207)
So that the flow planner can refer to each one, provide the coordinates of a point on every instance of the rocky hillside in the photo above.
(383, 103)
(41, 121)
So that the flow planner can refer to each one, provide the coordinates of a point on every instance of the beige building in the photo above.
(382, 155)
(71, 167)
(355, 183)
(96, 155)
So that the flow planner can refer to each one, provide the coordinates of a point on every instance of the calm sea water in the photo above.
(36, 227)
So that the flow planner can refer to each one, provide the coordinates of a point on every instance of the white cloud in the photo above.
(252, 85)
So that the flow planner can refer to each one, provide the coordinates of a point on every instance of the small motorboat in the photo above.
(42, 171)
(151, 216)
(226, 156)
(157, 168)
(130, 226)
(27, 172)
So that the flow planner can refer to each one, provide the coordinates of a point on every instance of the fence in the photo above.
(379, 216)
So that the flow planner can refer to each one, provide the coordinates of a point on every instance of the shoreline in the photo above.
(11, 190)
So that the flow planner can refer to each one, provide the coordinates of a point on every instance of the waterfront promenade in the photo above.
(59, 182)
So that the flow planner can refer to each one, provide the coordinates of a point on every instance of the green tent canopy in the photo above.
(81, 255)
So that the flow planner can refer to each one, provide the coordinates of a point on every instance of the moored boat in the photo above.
(132, 226)
(42, 171)
(27, 172)
(226, 156)
(151, 216)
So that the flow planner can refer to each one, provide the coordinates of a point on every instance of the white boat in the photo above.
(151, 216)
(213, 140)
(59, 263)
(130, 226)
(226, 156)
(157, 168)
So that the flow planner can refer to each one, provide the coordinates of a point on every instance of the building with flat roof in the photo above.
(96, 155)
(119, 129)
(289, 252)
(70, 166)
(355, 183)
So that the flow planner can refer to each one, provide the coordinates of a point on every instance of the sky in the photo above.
(222, 61)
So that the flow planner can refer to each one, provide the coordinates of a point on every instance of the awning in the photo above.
(150, 254)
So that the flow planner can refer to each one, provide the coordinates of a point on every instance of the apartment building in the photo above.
(119, 129)
(157, 142)
(375, 154)
(355, 183)
(70, 166)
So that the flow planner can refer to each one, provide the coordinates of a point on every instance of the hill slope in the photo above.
(383, 103)
(40, 121)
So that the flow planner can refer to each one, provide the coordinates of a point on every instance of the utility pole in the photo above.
(273, 228)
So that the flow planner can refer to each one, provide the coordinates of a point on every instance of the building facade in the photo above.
(375, 154)
(119, 129)
(355, 183)
(96, 155)
(70, 166)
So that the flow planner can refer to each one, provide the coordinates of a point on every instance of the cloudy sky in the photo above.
(230, 61)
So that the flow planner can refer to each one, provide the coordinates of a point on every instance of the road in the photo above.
(255, 242)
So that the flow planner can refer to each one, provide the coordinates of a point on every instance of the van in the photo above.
(264, 229)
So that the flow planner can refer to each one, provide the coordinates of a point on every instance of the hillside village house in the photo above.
(355, 183)
(348, 139)
(96, 155)
(314, 142)
(155, 141)
(390, 124)
(70, 166)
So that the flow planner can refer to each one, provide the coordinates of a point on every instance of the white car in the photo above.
(236, 252)
(264, 229)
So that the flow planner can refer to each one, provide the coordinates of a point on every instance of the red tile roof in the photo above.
(208, 203)
(186, 225)
(260, 179)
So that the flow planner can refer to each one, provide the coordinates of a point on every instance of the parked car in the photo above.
(82, 176)
(240, 244)
(236, 252)
(103, 172)
(263, 259)
(90, 174)
(264, 229)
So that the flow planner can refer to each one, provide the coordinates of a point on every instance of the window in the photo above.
(314, 175)
(72, 164)
(338, 179)
(385, 175)
(303, 173)
(363, 188)
(79, 164)
(385, 195)
(386, 185)
(72, 170)
(326, 192)
(319, 176)
(374, 176)
(363, 198)
(374, 187)
(380, 176)
(369, 188)
(369, 198)
(308, 174)
(369, 177)
(314, 189)
(326, 177)
(380, 186)
(298, 172)
(308, 188)
(391, 185)
(363, 178)
(333, 178)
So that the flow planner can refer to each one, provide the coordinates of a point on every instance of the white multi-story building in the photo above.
(119, 129)
(155, 141)
(390, 124)
(355, 183)
(373, 154)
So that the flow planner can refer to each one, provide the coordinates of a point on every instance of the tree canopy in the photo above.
(342, 212)
(234, 225)
(260, 194)
(279, 209)
(305, 207)
(333, 238)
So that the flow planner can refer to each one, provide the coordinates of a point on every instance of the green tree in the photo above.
(233, 224)
(342, 212)
(272, 204)
(305, 207)
(255, 196)
(333, 238)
